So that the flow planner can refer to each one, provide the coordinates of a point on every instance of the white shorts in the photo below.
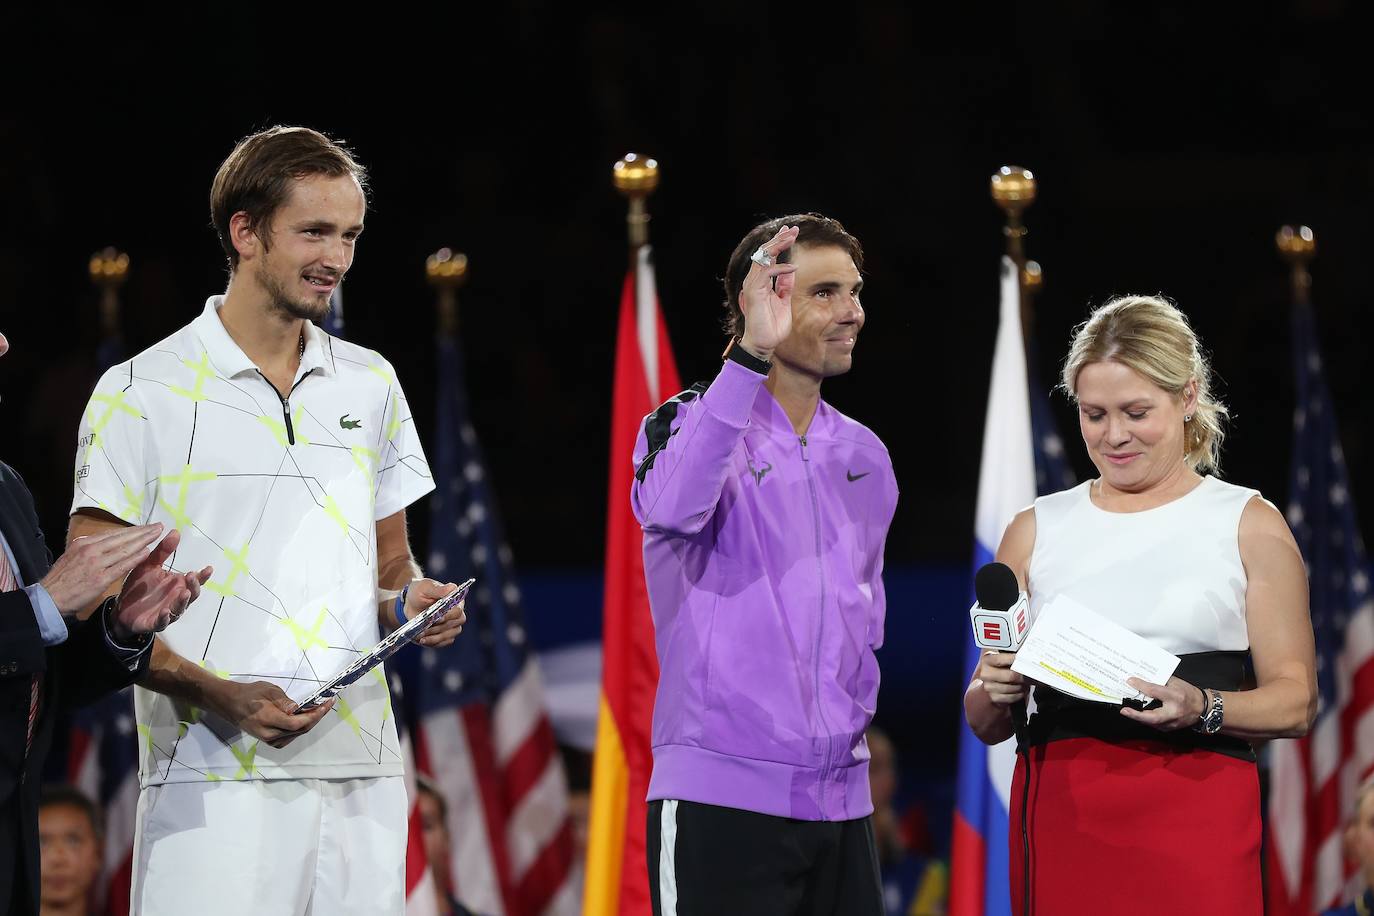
(310, 847)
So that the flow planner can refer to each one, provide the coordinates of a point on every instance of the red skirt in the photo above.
(1136, 828)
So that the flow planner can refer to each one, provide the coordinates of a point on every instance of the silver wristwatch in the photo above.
(1209, 723)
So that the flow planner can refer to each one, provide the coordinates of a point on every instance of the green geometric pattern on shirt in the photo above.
(203, 371)
(278, 429)
(346, 713)
(305, 639)
(366, 459)
(133, 503)
(183, 482)
(113, 402)
(237, 566)
(245, 757)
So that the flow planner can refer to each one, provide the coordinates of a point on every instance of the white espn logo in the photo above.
(1001, 629)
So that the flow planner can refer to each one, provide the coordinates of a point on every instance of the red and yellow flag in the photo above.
(645, 376)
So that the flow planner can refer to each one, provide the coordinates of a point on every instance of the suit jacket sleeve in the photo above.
(91, 665)
(21, 643)
(21, 640)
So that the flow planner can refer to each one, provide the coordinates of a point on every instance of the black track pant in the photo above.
(710, 861)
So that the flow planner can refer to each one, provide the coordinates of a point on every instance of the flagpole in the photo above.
(616, 880)
(636, 177)
(109, 268)
(1298, 246)
(447, 270)
(1013, 189)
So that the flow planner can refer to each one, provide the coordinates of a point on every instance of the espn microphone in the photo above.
(1000, 614)
(999, 621)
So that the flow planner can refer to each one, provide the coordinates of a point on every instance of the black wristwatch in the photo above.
(1209, 723)
(107, 612)
(735, 352)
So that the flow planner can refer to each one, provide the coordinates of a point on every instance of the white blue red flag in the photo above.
(1006, 485)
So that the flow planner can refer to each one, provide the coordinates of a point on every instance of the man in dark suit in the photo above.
(49, 659)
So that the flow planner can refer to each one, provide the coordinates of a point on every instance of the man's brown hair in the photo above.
(256, 178)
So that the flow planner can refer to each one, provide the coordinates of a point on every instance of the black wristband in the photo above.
(736, 353)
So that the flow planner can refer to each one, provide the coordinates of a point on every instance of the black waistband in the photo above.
(1058, 716)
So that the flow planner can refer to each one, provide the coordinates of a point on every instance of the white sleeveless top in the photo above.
(1171, 574)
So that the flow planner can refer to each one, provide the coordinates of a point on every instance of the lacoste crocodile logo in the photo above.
(350, 424)
(758, 473)
(853, 477)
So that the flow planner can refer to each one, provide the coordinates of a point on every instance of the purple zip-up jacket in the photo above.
(763, 555)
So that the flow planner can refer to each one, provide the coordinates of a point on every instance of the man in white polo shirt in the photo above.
(287, 458)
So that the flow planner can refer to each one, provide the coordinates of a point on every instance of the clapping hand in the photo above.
(91, 564)
(154, 597)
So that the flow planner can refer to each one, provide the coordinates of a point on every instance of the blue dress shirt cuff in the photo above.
(51, 626)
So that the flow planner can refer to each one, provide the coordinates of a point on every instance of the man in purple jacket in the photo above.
(765, 512)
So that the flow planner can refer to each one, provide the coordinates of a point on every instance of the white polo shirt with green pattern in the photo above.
(282, 498)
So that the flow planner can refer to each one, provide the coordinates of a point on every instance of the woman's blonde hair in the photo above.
(1151, 336)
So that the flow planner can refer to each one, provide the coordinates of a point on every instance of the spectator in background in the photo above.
(1359, 848)
(70, 835)
(434, 823)
(913, 885)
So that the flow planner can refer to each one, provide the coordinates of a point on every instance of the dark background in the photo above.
(1170, 144)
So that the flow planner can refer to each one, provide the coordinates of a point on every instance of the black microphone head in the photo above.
(996, 587)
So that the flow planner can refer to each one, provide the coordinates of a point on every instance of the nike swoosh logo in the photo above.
(853, 477)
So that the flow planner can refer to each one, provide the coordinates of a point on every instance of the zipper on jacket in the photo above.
(820, 622)
(286, 404)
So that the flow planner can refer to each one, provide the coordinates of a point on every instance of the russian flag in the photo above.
(1006, 485)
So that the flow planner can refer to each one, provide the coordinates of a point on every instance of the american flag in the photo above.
(1313, 780)
(102, 761)
(477, 709)
(1053, 471)
(419, 875)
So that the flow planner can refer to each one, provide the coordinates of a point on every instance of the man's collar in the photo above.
(228, 357)
(769, 412)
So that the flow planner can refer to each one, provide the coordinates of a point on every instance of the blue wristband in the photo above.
(401, 607)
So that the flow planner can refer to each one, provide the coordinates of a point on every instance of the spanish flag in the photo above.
(645, 376)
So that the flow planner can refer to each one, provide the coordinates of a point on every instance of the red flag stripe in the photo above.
(528, 764)
(547, 874)
(967, 885)
(478, 726)
(416, 863)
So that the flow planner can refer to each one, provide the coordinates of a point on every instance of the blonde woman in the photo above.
(1157, 811)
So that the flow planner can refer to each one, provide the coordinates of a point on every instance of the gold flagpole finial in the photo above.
(109, 268)
(1013, 188)
(1298, 246)
(447, 270)
(636, 177)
